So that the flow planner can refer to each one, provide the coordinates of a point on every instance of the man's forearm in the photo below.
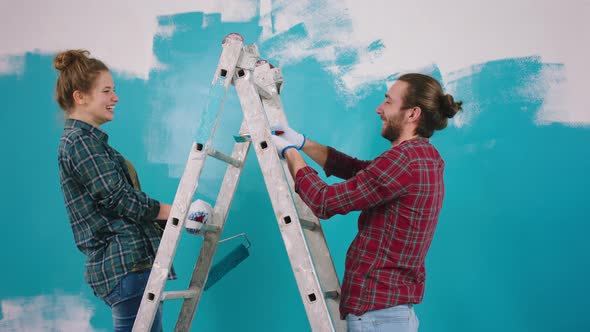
(294, 161)
(316, 151)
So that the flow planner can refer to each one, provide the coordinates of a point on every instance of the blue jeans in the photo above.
(125, 299)
(401, 318)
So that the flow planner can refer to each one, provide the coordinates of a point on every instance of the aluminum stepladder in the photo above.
(258, 85)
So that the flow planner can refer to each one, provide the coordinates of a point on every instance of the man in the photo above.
(400, 194)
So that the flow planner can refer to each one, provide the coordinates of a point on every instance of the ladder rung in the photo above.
(333, 294)
(312, 226)
(223, 157)
(173, 295)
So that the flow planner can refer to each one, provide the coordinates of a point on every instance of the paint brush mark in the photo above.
(305, 29)
(12, 65)
(513, 84)
(376, 47)
(296, 33)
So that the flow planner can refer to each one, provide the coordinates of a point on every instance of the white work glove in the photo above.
(282, 145)
(294, 138)
(199, 213)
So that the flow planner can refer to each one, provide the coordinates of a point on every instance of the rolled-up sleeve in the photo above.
(102, 178)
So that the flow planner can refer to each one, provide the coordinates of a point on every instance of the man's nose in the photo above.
(379, 110)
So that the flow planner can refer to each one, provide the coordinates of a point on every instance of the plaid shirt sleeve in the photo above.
(341, 165)
(90, 162)
(383, 180)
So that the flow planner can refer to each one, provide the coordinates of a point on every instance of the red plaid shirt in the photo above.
(400, 194)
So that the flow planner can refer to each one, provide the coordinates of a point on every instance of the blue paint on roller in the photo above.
(226, 264)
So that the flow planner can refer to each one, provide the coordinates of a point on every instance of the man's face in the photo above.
(391, 112)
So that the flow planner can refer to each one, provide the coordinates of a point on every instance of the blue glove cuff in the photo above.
(302, 144)
(287, 148)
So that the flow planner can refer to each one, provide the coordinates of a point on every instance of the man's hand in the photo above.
(199, 213)
(282, 145)
(294, 138)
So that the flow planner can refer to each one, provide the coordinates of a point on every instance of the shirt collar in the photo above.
(415, 140)
(98, 133)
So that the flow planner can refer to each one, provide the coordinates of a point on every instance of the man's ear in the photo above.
(414, 114)
(79, 97)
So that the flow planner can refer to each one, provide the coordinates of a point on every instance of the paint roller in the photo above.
(197, 223)
(229, 261)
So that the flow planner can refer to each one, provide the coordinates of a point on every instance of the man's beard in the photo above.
(393, 130)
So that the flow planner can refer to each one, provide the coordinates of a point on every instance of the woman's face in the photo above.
(100, 101)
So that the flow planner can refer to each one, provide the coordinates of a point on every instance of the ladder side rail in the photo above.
(234, 54)
(270, 80)
(283, 204)
(170, 238)
(153, 294)
(211, 239)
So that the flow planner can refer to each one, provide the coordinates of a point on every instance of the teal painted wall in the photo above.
(509, 254)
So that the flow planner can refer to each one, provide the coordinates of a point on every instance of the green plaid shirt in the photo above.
(112, 222)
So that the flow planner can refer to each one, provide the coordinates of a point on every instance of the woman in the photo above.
(112, 220)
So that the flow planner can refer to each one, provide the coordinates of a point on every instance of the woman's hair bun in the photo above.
(65, 59)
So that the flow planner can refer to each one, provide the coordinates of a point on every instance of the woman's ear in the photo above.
(79, 97)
